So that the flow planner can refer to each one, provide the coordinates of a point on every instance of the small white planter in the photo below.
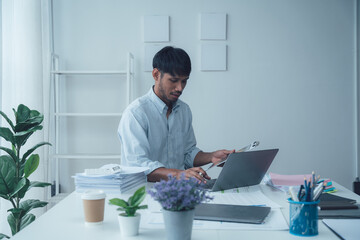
(129, 226)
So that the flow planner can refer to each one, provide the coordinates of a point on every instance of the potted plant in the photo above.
(129, 221)
(15, 168)
(178, 198)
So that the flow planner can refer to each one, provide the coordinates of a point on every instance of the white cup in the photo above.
(94, 205)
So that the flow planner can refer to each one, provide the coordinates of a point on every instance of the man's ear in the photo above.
(156, 74)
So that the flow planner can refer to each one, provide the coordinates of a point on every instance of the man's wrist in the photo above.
(162, 173)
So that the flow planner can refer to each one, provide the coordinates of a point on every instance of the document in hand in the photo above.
(231, 213)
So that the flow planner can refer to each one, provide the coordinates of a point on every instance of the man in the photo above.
(156, 129)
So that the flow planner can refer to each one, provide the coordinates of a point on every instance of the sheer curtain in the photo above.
(25, 42)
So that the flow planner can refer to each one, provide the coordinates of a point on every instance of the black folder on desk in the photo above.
(333, 206)
(339, 214)
(231, 213)
(333, 202)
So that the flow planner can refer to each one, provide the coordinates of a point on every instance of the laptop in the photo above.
(231, 213)
(242, 169)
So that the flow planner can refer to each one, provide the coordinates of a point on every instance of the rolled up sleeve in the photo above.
(135, 144)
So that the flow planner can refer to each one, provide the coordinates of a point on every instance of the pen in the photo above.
(293, 195)
(313, 178)
(300, 193)
(318, 190)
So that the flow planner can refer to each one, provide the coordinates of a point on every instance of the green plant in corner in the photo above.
(15, 168)
(132, 205)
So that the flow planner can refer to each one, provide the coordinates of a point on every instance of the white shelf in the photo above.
(89, 72)
(57, 114)
(88, 114)
(87, 156)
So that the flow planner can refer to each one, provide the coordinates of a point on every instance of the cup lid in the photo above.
(93, 195)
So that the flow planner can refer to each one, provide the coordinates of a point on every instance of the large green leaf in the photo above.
(17, 212)
(21, 187)
(21, 137)
(39, 184)
(28, 152)
(8, 120)
(21, 170)
(118, 202)
(2, 236)
(11, 153)
(24, 126)
(30, 204)
(34, 120)
(31, 164)
(22, 113)
(12, 224)
(138, 197)
(34, 113)
(26, 220)
(7, 175)
(7, 134)
(4, 196)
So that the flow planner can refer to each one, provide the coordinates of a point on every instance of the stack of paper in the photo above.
(118, 182)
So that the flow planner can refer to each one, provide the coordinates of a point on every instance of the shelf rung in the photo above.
(86, 156)
(88, 114)
(67, 72)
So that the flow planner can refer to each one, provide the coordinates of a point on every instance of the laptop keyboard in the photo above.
(209, 183)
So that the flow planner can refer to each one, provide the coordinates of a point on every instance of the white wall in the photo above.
(358, 81)
(290, 82)
(0, 53)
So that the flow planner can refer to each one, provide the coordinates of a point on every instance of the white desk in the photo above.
(66, 221)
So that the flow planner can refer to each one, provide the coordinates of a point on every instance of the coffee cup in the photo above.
(94, 204)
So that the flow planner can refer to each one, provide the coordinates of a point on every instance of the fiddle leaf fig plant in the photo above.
(16, 167)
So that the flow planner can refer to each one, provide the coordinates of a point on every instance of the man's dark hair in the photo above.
(173, 61)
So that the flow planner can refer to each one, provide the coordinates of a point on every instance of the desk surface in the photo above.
(66, 221)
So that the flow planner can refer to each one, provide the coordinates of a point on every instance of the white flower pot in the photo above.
(178, 224)
(129, 226)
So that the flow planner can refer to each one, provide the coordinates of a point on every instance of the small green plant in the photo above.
(16, 169)
(133, 204)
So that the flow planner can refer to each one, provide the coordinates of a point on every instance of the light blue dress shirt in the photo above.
(149, 139)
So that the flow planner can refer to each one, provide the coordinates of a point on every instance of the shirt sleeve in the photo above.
(190, 144)
(134, 143)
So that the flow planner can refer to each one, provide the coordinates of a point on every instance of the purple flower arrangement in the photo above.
(179, 194)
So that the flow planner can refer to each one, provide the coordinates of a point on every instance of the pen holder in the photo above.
(303, 218)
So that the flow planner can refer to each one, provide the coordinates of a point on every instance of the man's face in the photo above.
(167, 87)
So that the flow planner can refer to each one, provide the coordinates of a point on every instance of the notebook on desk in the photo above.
(231, 213)
(333, 202)
(243, 169)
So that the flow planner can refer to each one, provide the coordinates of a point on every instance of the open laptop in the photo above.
(243, 169)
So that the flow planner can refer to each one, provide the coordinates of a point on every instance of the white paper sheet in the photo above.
(347, 228)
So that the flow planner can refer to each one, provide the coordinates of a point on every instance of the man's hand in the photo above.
(162, 173)
(220, 155)
(196, 172)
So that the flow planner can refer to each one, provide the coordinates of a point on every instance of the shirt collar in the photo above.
(160, 105)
